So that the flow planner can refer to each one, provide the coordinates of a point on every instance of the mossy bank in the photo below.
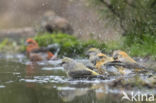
(140, 47)
(144, 46)
(69, 45)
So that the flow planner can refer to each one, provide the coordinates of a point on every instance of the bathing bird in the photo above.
(122, 56)
(92, 53)
(101, 60)
(75, 69)
(113, 65)
(123, 59)
(98, 59)
(36, 53)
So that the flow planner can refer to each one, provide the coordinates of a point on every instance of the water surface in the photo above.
(46, 82)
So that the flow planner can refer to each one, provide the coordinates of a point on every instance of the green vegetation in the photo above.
(70, 45)
(3, 43)
(138, 47)
(137, 20)
(143, 46)
(135, 17)
(8, 46)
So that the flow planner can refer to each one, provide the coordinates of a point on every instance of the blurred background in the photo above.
(129, 25)
(84, 19)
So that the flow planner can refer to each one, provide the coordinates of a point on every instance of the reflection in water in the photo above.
(31, 70)
(69, 94)
(71, 91)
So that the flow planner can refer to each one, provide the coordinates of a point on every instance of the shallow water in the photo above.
(46, 82)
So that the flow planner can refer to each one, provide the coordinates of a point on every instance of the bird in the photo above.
(101, 60)
(75, 69)
(36, 53)
(108, 65)
(121, 58)
(92, 53)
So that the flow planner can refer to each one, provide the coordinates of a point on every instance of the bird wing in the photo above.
(80, 73)
(125, 64)
(38, 50)
(81, 66)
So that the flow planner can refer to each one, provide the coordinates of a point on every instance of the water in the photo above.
(46, 82)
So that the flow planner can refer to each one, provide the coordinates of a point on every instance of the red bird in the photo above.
(35, 53)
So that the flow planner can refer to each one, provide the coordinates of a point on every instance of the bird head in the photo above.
(66, 60)
(93, 51)
(103, 58)
(122, 56)
(30, 41)
(68, 64)
(31, 44)
(119, 54)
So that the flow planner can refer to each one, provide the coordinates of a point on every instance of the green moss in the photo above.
(70, 45)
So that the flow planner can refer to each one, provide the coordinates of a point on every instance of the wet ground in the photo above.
(46, 82)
